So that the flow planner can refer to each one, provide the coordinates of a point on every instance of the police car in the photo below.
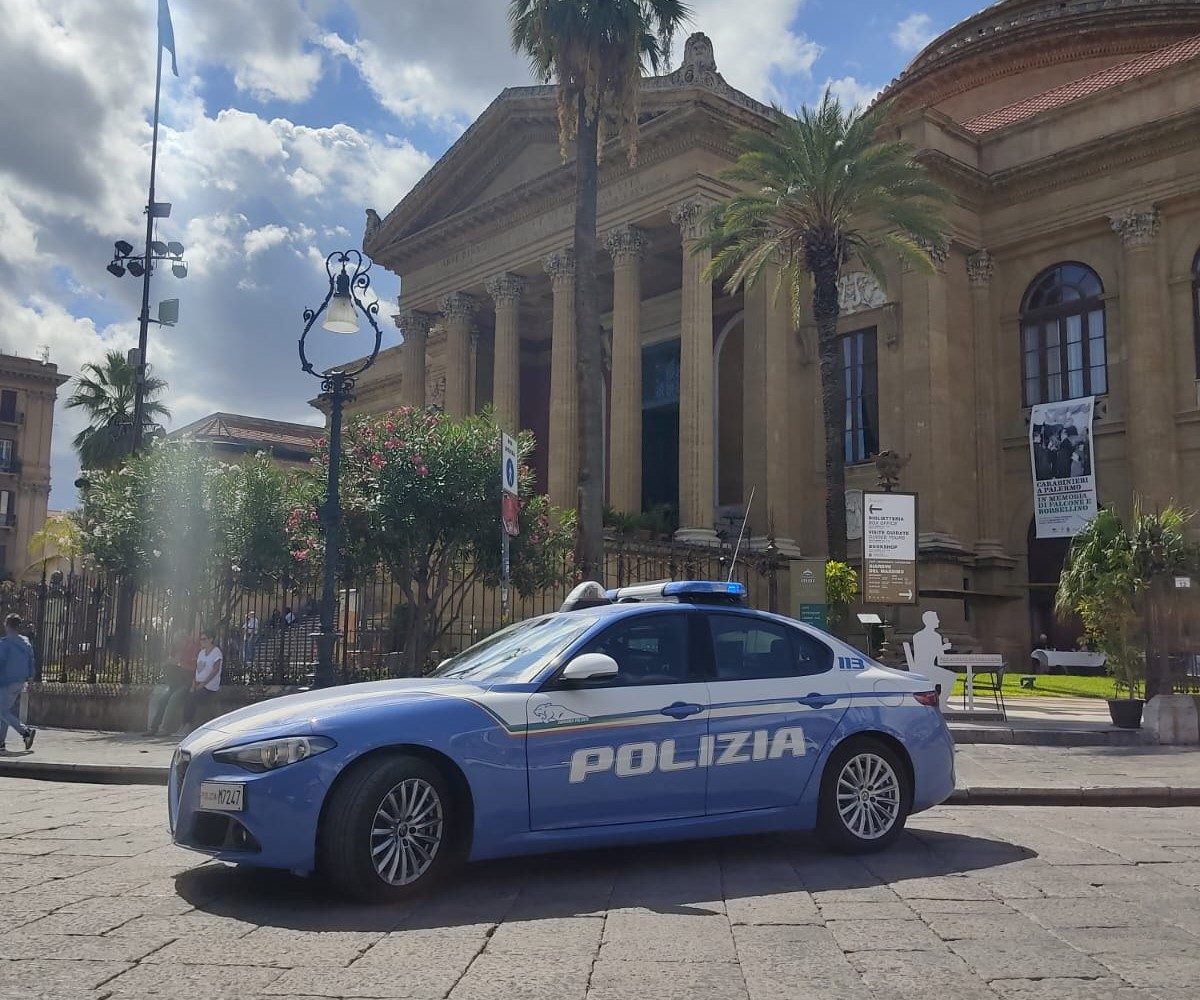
(651, 713)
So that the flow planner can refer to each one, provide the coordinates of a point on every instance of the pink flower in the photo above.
(422, 471)
(377, 461)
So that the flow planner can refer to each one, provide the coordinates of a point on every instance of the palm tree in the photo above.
(596, 51)
(819, 190)
(105, 391)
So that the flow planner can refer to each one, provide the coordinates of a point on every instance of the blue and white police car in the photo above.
(658, 712)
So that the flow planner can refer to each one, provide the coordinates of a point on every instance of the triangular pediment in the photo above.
(514, 144)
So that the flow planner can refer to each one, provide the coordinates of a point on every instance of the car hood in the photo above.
(300, 714)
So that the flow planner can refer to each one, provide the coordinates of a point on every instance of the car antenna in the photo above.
(741, 534)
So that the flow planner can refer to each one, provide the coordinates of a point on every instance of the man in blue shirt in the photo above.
(16, 667)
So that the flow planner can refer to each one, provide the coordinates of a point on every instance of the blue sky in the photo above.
(289, 118)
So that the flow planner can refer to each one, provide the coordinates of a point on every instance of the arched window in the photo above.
(1196, 308)
(1063, 354)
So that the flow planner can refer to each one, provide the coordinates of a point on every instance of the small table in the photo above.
(986, 663)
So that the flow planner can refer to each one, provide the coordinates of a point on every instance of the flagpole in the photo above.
(139, 389)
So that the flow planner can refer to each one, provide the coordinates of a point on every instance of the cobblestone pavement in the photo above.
(973, 903)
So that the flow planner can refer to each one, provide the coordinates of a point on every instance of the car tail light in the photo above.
(927, 698)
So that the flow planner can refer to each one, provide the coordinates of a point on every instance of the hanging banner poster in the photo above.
(1064, 473)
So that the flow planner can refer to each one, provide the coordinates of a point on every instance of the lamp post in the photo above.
(348, 280)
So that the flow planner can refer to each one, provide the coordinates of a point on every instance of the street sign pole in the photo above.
(509, 525)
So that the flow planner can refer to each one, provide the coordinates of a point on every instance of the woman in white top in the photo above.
(207, 681)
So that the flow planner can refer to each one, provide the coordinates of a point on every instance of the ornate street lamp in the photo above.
(348, 280)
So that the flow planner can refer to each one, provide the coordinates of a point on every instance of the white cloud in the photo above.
(914, 32)
(851, 92)
(259, 240)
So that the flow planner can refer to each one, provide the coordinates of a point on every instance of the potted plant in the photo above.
(1112, 580)
(841, 590)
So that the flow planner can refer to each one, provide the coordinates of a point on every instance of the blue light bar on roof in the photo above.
(681, 587)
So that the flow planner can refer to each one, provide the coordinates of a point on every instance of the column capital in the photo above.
(505, 288)
(626, 244)
(414, 322)
(1137, 227)
(981, 265)
(560, 265)
(457, 306)
(688, 215)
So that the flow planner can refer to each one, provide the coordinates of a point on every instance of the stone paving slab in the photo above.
(997, 903)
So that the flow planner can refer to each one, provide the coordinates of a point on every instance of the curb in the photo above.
(965, 735)
(92, 774)
(1157, 797)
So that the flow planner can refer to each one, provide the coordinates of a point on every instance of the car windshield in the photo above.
(518, 652)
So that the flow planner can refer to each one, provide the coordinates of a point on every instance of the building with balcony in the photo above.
(28, 389)
(1066, 131)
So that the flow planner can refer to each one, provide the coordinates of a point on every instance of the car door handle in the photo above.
(815, 700)
(681, 710)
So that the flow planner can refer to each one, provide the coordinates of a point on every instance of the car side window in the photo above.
(747, 649)
(649, 649)
(813, 656)
(752, 649)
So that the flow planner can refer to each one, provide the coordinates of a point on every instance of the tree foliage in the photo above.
(58, 538)
(105, 392)
(205, 531)
(1119, 580)
(421, 496)
(817, 191)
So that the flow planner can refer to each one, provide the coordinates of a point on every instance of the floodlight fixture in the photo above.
(137, 268)
(124, 248)
(175, 248)
(158, 248)
(116, 269)
(180, 269)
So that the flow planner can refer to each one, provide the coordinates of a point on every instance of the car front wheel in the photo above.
(388, 832)
(865, 797)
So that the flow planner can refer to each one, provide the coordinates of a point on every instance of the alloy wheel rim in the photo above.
(868, 796)
(406, 832)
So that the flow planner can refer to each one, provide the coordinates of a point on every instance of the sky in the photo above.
(288, 119)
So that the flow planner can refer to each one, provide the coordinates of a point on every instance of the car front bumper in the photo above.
(277, 824)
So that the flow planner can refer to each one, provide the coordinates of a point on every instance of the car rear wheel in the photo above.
(865, 797)
(389, 831)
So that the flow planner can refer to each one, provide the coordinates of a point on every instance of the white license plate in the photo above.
(223, 796)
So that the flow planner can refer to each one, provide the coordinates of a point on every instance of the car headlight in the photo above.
(267, 755)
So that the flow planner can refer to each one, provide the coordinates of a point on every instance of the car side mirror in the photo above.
(590, 667)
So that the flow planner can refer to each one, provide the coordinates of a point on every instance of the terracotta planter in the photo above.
(1126, 713)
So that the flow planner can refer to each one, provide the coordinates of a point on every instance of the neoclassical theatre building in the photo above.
(1069, 134)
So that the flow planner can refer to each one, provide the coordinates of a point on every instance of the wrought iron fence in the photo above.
(75, 622)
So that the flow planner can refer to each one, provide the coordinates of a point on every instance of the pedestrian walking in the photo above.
(207, 681)
(16, 668)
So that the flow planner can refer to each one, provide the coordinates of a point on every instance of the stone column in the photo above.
(627, 246)
(505, 290)
(766, 423)
(564, 396)
(695, 382)
(416, 326)
(980, 267)
(458, 311)
(1149, 410)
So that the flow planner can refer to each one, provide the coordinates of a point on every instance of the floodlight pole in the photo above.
(139, 385)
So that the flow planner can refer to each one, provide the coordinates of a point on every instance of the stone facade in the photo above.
(1066, 133)
(28, 389)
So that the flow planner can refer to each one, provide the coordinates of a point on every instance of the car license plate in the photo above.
(223, 796)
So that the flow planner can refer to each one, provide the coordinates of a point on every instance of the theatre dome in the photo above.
(1016, 49)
